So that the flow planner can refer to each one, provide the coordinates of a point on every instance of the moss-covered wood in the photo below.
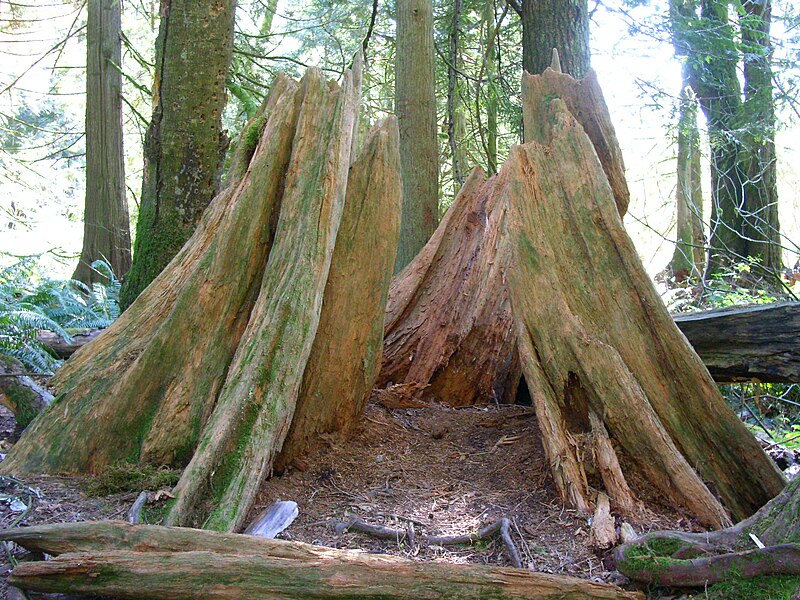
(150, 382)
(256, 403)
(346, 354)
(728, 556)
(594, 337)
(132, 561)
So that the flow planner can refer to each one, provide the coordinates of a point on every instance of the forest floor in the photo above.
(448, 471)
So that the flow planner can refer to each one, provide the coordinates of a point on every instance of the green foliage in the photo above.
(29, 304)
(128, 477)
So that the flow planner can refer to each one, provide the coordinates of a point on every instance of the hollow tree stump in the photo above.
(597, 342)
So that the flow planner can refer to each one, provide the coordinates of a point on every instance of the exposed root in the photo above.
(501, 528)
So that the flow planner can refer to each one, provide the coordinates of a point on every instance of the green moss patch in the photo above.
(128, 477)
(768, 587)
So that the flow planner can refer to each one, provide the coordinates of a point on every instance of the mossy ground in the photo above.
(769, 587)
(129, 477)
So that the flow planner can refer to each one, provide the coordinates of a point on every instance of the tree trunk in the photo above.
(752, 343)
(689, 256)
(415, 106)
(489, 58)
(106, 228)
(712, 60)
(336, 386)
(455, 115)
(762, 228)
(128, 561)
(548, 24)
(597, 343)
(184, 145)
(164, 360)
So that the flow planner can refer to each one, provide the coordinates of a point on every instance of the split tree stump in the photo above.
(206, 368)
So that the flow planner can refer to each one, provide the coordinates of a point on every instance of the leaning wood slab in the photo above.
(157, 562)
(751, 343)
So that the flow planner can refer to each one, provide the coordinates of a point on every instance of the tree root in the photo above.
(501, 527)
(634, 561)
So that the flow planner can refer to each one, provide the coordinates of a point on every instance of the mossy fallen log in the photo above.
(134, 561)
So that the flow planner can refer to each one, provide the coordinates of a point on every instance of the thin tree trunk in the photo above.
(689, 256)
(184, 145)
(415, 106)
(490, 67)
(454, 108)
(762, 228)
(559, 24)
(106, 228)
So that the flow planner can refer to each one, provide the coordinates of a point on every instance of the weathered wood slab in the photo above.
(141, 561)
(751, 343)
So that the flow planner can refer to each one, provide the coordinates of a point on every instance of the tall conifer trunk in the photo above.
(415, 106)
(106, 228)
(185, 145)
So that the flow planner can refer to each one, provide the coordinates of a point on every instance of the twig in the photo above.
(501, 527)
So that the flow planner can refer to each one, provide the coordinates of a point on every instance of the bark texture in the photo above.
(595, 338)
(415, 107)
(346, 355)
(106, 227)
(448, 318)
(184, 145)
(154, 562)
(559, 24)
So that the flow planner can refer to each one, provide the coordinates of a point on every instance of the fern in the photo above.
(54, 305)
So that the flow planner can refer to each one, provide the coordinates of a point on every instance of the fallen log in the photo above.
(751, 343)
(21, 394)
(140, 561)
(63, 348)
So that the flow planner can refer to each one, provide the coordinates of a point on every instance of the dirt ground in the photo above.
(447, 471)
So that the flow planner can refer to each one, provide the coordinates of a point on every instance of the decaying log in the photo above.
(127, 561)
(21, 394)
(61, 347)
(752, 343)
(346, 354)
(594, 335)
